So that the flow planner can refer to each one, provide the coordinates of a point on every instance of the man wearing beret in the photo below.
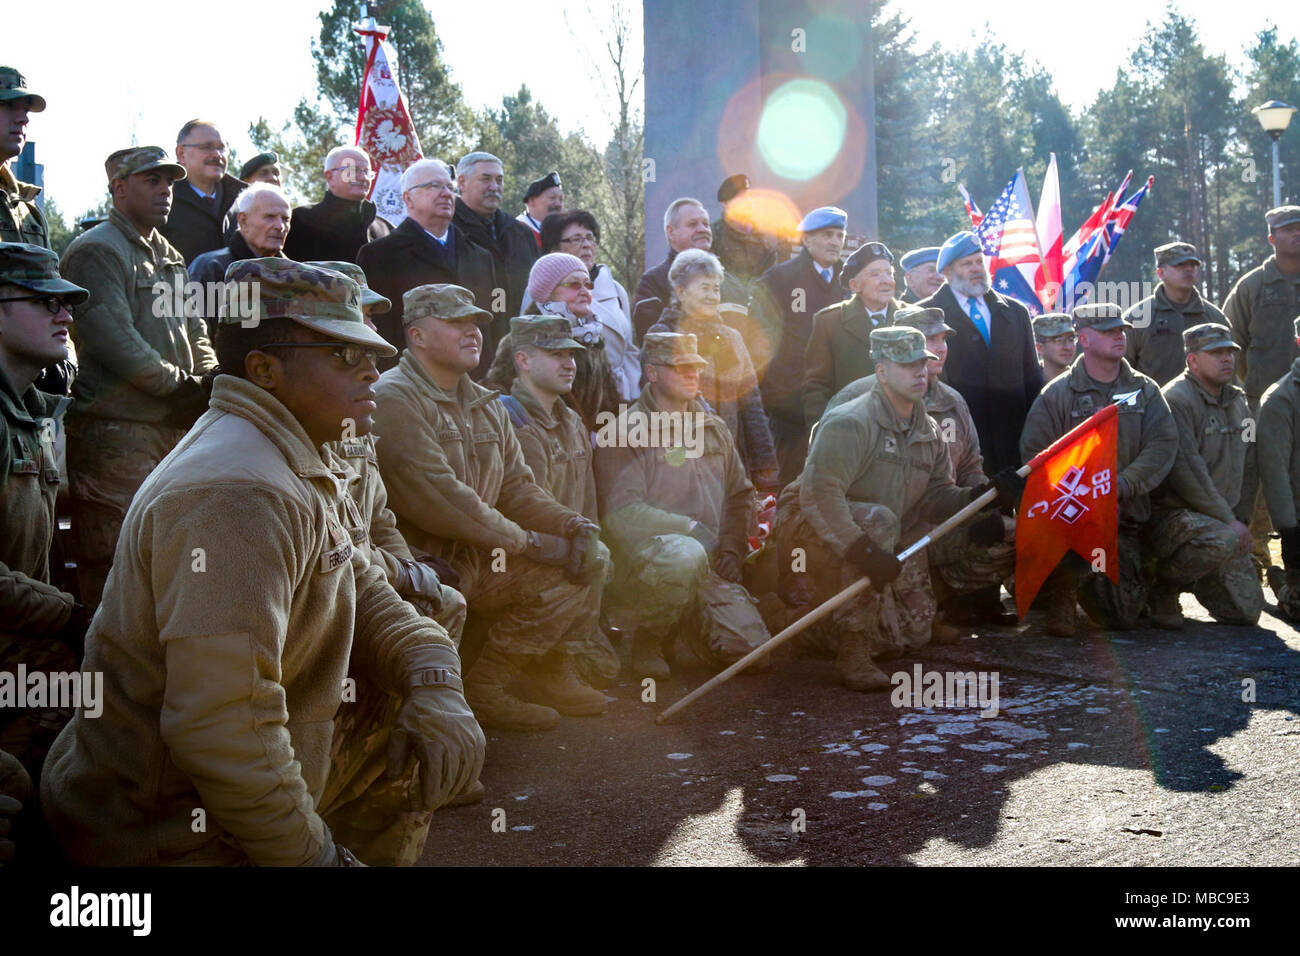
(785, 299)
(878, 475)
(269, 699)
(43, 626)
(920, 275)
(676, 512)
(138, 385)
(839, 349)
(743, 250)
(21, 219)
(1279, 479)
(203, 196)
(1055, 340)
(262, 168)
(1147, 447)
(460, 488)
(542, 197)
(1198, 536)
(1155, 343)
(557, 449)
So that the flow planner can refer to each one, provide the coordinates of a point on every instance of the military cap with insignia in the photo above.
(13, 86)
(1102, 316)
(825, 217)
(928, 321)
(918, 257)
(862, 257)
(256, 163)
(548, 332)
(899, 343)
(550, 181)
(1173, 253)
(37, 268)
(732, 187)
(319, 299)
(1206, 336)
(671, 348)
(1051, 324)
(369, 297)
(1281, 216)
(141, 159)
(440, 300)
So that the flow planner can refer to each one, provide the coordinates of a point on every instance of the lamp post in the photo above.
(1275, 117)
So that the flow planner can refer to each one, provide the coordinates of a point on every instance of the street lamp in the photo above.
(1275, 117)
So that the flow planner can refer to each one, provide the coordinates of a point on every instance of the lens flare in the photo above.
(802, 128)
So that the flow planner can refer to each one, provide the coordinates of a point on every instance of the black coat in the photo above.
(780, 357)
(999, 382)
(212, 266)
(333, 230)
(408, 257)
(652, 285)
(194, 227)
(513, 248)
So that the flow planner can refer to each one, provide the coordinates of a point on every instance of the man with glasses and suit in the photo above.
(201, 200)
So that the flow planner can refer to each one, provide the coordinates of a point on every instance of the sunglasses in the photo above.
(576, 283)
(53, 304)
(351, 354)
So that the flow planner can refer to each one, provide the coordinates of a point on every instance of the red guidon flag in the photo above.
(384, 128)
(1071, 503)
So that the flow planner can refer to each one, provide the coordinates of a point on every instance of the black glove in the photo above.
(588, 558)
(987, 530)
(548, 549)
(419, 581)
(704, 536)
(576, 523)
(9, 808)
(729, 566)
(876, 563)
(436, 726)
(73, 632)
(335, 854)
(1290, 547)
(187, 403)
(1008, 484)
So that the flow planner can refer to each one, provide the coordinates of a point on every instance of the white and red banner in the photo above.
(384, 127)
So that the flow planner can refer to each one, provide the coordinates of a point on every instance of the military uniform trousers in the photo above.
(1110, 606)
(108, 460)
(1199, 553)
(957, 565)
(28, 732)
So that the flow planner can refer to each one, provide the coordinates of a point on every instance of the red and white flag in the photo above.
(384, 127)
(1047, 281)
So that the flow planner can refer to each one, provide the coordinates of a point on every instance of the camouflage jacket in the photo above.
(1260, 308)
(20, 218)
(1279, 451)
(557, 448)
(1207, 476)
(1155, 343)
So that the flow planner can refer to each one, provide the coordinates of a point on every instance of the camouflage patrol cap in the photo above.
(1206, 336)
(141, 159)
(1281, 216)
(1172, 253)
(320, 299)
(928, 321)
(36, 268)
(13, 86)
(899, 343)
(671, 348)
(1051, 324)
(441, 301)
(1102, 316)
(543, 331)
(369, 297)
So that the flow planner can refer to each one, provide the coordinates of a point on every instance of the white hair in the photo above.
(691, 263)
(244, 201)
(337, 151)
(675, 205)
(419, 168)
(469, 160)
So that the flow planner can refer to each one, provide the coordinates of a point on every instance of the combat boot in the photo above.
(493, 706)
(647, 658)
(857, 671)
(1163, 608)
(557, 682)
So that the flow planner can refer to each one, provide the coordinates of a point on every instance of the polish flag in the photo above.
(1047, 280)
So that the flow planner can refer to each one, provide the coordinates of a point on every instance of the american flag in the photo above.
(1010, 243)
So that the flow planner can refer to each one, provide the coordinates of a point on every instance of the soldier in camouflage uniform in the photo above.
(1198, 536)
(675, 510)
(20, 218)
(878, 475)
(1055, 341)
(138, 386)
(1155, 343)
(1147, 446)
(1279, 477)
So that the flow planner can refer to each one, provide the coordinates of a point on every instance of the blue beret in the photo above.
(824, 217)
(957, 247)
(918, 257)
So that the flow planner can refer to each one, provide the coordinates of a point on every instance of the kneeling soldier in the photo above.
(1279, 477)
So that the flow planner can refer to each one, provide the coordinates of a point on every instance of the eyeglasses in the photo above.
(585, 239)
(351, 354)
(209, 147)
(53, 304)
(576, 283)
(440, 187)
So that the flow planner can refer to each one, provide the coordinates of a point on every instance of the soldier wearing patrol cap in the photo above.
(43, 626)
(1155, 343)
(462, 492)
(676, 504)
(256, 662)
(920, 275)
(21, 219)
(542, 198)
(1279, 479)
(1198, 536)
(878, 475)
(1147, 446)
(1055, 340)
(141, 356)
